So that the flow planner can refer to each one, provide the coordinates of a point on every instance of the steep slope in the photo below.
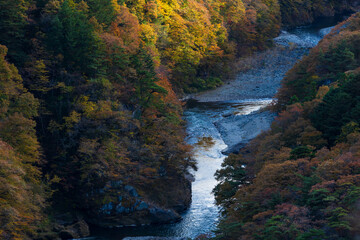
(99, 79)
(22, 193)
(300, 180)
(295, 13)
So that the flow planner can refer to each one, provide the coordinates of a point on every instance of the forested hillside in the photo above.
(301, 179)
(90, 118)
(294, 13)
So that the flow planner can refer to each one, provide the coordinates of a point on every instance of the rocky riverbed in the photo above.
(266, 70)
(221, 121)
(257, 84)
(259, 78)
(237, 130)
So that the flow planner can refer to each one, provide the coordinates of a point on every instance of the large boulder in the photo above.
(237, 130)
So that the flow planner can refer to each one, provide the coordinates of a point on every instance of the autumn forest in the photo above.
(92, 130)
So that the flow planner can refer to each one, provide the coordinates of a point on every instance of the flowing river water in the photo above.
(208, 122)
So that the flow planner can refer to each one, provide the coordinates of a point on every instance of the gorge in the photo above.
(222, 120)
(116, 114)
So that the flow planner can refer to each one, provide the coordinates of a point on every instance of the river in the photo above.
(227, 116)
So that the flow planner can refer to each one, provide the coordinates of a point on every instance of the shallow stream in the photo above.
(208, 142)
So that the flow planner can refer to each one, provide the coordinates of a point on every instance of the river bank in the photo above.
(260, 74)
(259, 78)
(279, 184)
(220, 121)
(257, 84)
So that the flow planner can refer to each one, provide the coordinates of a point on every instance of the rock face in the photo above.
(77, 230)
(139, 214)
(126, 205)
(237, 130)
(66, 226)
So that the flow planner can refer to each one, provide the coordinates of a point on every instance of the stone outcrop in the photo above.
(66, 226)
(246, 128)
(125, 205)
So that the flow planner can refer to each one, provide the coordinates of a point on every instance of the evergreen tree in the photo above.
(104, 11)
(13, 27)
(337, 59)
(144, 80)
(73, 36)
(329, 115)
